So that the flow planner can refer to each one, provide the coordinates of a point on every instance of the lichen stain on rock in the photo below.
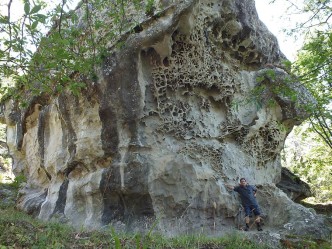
(159, 136)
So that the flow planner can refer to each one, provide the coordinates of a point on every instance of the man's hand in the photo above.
(230, 187)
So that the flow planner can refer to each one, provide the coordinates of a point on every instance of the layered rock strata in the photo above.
(189, 103)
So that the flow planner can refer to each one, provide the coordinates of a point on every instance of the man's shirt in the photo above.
(247, 194)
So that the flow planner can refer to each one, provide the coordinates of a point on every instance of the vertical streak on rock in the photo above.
(17, 119)
(61, 201)
(107, 111)
(19, 135)
(109, 134)
(40, 135)
(33, 205)
(69, 135)
(41, 138)
(109, 187)
(120, 108)
(130, 96)
(120, 111)
(122, 166)
(69, 141)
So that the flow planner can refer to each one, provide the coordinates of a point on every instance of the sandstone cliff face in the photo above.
(171, 120)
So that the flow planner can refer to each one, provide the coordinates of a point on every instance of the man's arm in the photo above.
(254, 190)
(230, 187)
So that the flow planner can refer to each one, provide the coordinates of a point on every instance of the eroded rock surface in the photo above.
(6, 174)
(187, 105)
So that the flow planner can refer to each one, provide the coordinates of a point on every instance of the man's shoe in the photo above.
(259, 228)
(246, 228)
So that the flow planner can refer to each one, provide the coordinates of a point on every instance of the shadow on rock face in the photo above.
(124, 187)
(293, 186)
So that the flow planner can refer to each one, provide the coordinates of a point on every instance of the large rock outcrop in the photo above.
(293, 186)
(185, 106)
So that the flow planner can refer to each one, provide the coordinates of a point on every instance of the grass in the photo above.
(19, 230)
(299, 242)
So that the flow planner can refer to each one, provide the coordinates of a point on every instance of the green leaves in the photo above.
(68, 46)
(149, 8)
(308, 157)
(75, 87)
(40, 17)
(35, 9)
(314, 63)
(34, 24)
(314, 67)
(27, 8)
(3, 19)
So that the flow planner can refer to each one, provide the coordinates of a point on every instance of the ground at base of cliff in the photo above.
(19, 230)
(320, 208)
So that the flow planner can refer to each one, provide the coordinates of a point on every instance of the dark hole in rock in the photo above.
(138, 29)
(166, 62)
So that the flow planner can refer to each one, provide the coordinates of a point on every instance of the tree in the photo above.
(306, 156)
(50, 48)
(310, 155)
(313, 66)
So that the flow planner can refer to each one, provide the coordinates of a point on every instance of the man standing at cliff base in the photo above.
(248, 197)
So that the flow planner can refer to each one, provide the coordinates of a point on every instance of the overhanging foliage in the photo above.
(48, 49)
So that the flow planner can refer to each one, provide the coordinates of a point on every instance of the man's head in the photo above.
(243, 181)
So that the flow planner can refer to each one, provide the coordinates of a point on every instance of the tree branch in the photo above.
(60, 19)
(9, 26)
(322, 134)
